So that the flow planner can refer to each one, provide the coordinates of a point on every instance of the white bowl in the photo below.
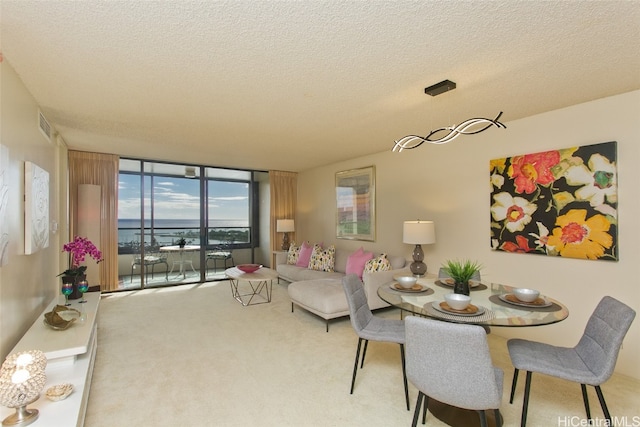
(457, 301)
(526, 295)
(406, 282)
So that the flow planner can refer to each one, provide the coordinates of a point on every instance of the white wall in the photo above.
(449, 184)
(27, 282)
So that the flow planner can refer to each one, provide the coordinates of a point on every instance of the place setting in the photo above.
(408, 284)
(525, 297)
(458, 307)
(447, 282)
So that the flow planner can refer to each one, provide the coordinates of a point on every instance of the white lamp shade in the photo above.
(285, 226)
(419, 232)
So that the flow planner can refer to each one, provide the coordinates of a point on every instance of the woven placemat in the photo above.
(484, 317)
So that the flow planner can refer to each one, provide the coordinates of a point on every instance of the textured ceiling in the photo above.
(293, 85)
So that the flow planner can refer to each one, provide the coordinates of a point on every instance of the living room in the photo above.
(448, 184)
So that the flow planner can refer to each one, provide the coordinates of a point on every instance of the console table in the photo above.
(70, 356)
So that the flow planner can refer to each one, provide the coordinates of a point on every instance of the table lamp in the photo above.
(285, 226)
(418, 233)
(22, 378)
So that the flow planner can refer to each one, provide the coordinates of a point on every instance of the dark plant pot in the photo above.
(461, 288)
(74, 279)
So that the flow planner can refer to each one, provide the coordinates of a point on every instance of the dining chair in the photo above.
(371, 328)
(591, 361)
(451, 363)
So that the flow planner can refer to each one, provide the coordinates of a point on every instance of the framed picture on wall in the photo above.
(36, 208)
(356, 204)
(561, 203)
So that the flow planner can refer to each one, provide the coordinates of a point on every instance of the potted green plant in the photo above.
(182, 242)
(461, 272)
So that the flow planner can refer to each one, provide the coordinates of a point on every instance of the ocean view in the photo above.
(167, 231)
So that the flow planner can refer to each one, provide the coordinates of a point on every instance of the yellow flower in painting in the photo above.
(498, 165)
(575, 236)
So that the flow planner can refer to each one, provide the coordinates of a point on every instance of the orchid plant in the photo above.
(78, 250)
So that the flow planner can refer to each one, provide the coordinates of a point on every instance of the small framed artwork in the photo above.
(356, 204)
(36, 208)
(561, 203)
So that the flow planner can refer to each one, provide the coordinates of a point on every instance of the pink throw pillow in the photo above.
(305, 255)
(357, 261)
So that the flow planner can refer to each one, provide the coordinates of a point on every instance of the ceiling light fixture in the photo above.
(468, 127)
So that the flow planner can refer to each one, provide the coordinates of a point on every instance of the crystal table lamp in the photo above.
(22, 378)
(418, 233)
(285, 226)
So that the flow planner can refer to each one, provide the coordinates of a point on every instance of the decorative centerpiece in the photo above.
(79, 248)
(182, 242)
(461, 272)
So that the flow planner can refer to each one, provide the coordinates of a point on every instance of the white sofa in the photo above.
(321, 292)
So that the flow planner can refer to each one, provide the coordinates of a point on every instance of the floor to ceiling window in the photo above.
(183, 223)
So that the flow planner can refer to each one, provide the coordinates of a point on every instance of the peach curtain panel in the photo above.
(284, 192)
(98, 169)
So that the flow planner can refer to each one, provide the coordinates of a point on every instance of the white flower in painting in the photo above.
(515, 211)
(599, 180)
(497, 180)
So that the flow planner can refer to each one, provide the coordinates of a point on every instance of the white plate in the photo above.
(436, 305)
(547, 303)
(410, 290)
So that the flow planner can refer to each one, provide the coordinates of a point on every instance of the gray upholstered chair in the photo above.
(369, 327)
(591, 361)
(451, 363)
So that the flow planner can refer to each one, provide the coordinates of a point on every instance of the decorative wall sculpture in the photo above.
(36, 208)
(557, 203)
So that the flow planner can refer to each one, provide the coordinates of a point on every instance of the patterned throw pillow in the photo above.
(380, 263)
(323, 260)
(292, 255)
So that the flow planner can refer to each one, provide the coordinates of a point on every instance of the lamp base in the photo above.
(418, 268)
(22, 417)
(285, 242)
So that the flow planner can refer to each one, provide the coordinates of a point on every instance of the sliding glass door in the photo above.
(183, 223)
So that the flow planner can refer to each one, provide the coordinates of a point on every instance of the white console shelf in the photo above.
(70, 355)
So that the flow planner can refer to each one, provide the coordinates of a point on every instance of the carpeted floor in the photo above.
(192, 356)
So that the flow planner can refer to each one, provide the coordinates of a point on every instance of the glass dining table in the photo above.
(493, 305)
(496, 305)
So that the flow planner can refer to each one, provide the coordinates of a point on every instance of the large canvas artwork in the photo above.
(557, 203)
(36, 208)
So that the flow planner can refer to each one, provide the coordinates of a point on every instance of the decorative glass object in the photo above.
(22, 378)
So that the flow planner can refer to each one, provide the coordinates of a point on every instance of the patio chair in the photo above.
(150, 261)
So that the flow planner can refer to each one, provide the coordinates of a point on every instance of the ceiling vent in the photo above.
(44, 126)
(189, 172)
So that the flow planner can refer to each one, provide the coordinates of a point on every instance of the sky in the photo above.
(179, 198)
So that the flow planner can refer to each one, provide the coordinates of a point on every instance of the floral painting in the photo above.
(557, 203)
